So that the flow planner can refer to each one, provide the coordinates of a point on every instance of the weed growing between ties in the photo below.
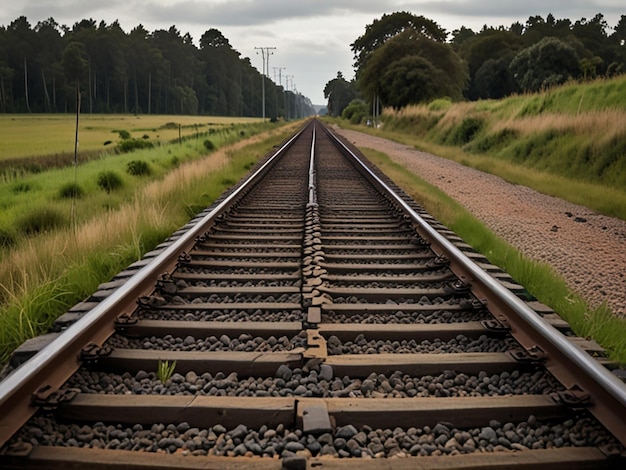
(165, 370)
(41, 279)
(539, 279)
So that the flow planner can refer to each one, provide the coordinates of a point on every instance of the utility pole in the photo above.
(266, 52)
(288, 78)
(280, 82)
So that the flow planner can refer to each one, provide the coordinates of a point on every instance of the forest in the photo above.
(140, 72)
(404, 59)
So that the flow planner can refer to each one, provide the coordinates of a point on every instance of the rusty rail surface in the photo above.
(311, 256)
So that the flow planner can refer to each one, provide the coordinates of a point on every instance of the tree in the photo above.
(549, 62)
(339, 93)
(21, 52)
(41, 69)
(222, 71)
(618, 45)
(74, 62)
(592, 34)
(438, 69)
(459, 36)
(388, 26)
(493, 80)
(491, 51)
(412, 79)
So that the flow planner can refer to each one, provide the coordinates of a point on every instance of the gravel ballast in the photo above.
(585, 248)
(345, 442)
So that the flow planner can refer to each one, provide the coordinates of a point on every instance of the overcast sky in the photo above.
(312, 37)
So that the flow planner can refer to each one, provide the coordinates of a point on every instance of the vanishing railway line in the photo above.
(317, 317)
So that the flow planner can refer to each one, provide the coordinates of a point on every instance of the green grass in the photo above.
(30, 192)
(538, 278)
(26, 135)
(41, 279)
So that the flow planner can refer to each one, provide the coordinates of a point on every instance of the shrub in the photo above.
(137, 168)
(209, 145)
(71, 190)
(124, 135)
(40, 220)
(109, 181)
(129, 145)
(355, 112)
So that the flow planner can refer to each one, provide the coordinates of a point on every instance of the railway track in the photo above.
(314, 316)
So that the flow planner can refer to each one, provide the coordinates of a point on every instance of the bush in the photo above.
(209, 145)
(355, 112)
(109, 181)
(40, 220)
(70, 191)
(137, 168)
(129, 145)
(124, 135)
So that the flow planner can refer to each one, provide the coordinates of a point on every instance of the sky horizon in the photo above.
(312, 37)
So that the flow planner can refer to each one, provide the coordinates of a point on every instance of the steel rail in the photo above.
(16, 390)
(312, 191)
(610, 406)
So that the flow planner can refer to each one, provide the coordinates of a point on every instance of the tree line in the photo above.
(141, 72)
(404, 59)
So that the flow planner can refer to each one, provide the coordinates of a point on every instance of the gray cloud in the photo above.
(255, 12)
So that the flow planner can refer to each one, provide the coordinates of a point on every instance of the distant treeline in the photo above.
(404, 59)
(141, 72)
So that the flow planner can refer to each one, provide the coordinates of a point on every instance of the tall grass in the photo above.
(538, 278)
(45, 275)
(568, 142)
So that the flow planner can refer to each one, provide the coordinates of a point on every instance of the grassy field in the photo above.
(62, 258)
(33, 202)
(28, 135)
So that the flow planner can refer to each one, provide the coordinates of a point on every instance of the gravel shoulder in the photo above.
(585, 248)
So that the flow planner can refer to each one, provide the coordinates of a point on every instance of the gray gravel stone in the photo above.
(284, 372)
(346, 431)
